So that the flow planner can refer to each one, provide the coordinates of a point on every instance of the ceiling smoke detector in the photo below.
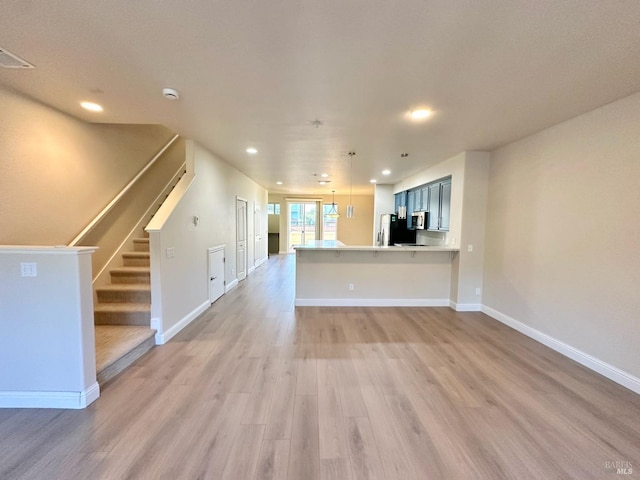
(10, 60)
(170, 94)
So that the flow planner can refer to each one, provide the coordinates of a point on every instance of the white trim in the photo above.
(465, 307)
(164, 337)
(138, 226)
(371, 302)
(612, 373)
(29, 399)
(156, 324)
(117, 198)
(233, 283)
(282, 252)
(216, 248)
(252, 269)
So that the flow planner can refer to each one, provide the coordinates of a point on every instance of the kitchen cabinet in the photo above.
(400, 201)
(411, 202)
(424, 199)
(439, 205)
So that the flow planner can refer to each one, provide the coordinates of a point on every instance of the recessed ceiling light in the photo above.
(278, 183)
(322, 182)
(92, 107)
(386, 172)
(252, 150)
(324, 175)
(420, 114)
(373, 180)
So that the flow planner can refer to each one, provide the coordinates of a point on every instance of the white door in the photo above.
(216, 274)
(241, 238)
(257, 229)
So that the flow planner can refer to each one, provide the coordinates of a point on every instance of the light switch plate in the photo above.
(28, 269)
(171, 252)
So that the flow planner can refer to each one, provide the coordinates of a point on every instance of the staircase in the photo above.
(122, 314)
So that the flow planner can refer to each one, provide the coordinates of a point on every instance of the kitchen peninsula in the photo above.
(329, 273)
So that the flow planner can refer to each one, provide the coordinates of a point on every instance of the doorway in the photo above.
(241, 238)
(302, 222)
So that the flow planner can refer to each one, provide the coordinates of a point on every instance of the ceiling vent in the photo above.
(9, 60)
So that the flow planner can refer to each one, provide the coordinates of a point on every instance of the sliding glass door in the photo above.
(302, 221)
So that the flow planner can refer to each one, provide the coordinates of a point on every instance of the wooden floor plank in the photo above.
(304, 459)
(273, 462)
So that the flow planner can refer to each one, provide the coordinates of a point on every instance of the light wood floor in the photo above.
(258, 389)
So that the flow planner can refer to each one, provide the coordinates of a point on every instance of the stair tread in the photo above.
(122, 307)
(132, 269)
(119, 287)
(137, 254)
(115, 341)
(141, 240)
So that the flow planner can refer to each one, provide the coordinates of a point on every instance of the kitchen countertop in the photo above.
(320, 245)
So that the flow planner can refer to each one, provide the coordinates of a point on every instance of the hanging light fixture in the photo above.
(351, 210)
(333, 211)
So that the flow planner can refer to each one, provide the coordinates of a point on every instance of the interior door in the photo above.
(216, 274)
(259, 236)
(241, 238)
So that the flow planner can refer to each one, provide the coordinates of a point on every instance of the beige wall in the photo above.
(563, 231)
(57, 172)
(351, 231)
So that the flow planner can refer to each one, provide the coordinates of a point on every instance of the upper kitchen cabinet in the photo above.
(401, 201)
(411, 201)
(439, 205)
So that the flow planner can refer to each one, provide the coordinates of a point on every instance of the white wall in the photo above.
(180, 287)
(47, 343)
(563, 232)
(395, 277)
(383, 202)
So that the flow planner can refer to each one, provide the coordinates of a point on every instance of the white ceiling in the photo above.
(257, 73)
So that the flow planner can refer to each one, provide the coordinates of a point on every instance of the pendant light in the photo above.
(333, 211)
(351, 210)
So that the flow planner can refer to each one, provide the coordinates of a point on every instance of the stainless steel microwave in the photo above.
(418, 221)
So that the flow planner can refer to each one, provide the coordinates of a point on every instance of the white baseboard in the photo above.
(35, 399)
(282, 252)
(371, 302)
(465, 307)
(230, 285)
(164, 337)
(251, 270)
(612, 373)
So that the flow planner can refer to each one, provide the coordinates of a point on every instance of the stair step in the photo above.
(136, 314)
(141, 244)
(136, 259)
(125, 293)
(117, 347)
(130, 275)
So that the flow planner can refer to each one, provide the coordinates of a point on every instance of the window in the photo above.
(273, 209)
(329, 225)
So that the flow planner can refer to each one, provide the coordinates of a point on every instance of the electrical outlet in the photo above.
(351, 287)
(478, 291)
(171, 252)
(28, 269)
(469, 248)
